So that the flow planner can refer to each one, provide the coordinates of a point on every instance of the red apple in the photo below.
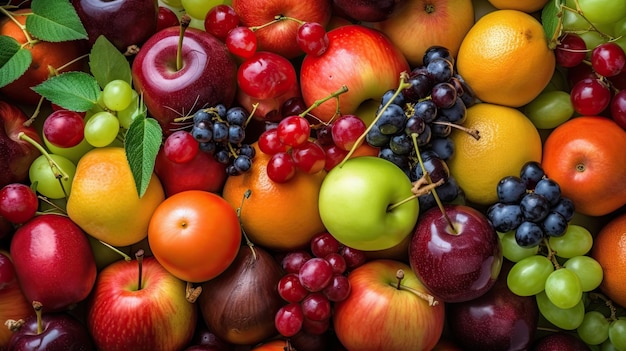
(361, 58)
(380, 315)
(53, 261)
(367, 10)
(280, 37)
(16, 155)
(207, 76)
(416, 25)
(156, 317)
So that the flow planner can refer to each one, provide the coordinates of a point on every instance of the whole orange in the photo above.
(195, 235)
(45, 55)
(609, 249)
(586, 157)
(277, 216)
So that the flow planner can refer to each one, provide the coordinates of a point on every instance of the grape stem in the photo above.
(277, 18)
(551, 254)
(58, 172)
(426, 297)
(250, 244)
(473, 132)
(607, 302)
(317, 103)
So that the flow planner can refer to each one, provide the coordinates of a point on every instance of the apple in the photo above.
(53, 261)
(13, 303)
(280, 37)
(384, 312)
(157, 316)
(456, 264)
(416, 25)
(354, 201)
(51, 332)
(367, 10)
(202, 172)
(361, 58)
(206, 78)
(122, 22)
(16, 155)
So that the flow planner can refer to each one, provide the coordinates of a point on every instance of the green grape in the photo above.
(117, 95)
(567, 319)
(603, 11)
(173, 3)
(607, 346)
(48, 185)
(199, 8)
(558, 82)
(549, 109)
(572, 21)
(512, 251)
(617, 334)
(528, 276)
(128, 115)
(588, 271)
(101, 129)
(73, 153)
(592, 39)
(563, 288)
(576, 241)
(594, 329)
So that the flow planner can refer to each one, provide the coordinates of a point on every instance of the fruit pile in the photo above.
(242, 175)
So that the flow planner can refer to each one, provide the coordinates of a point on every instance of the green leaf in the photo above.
(107, 63)
(142, 143)
(54, 21)
(551, 21)
(76, 91)
(14, 60)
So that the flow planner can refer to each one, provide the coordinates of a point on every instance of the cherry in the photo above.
(64, 128)
(346, 129)
(241, 41)
(181, 147)
(570, 51)
(266, 75)
(618, 108)
(280, 167)
(293, 131)
(334, 156)
(312, 38)
(590, 97)
(220, 20)
(269, 142)
(608, 59)
(166, 18)
(18, 203)
(309, 157)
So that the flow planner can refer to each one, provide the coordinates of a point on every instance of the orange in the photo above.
(520, 5)
(585, 155)
(609, 249)
(279, 216)
(44, 54)
(505, 58)
(104, 201)
(195, 235)
(507, 140)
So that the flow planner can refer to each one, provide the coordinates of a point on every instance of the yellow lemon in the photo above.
(104, 201)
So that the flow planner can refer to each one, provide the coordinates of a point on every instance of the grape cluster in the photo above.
(314, 279)
(221, 132)
(531, 205)
(424, 114)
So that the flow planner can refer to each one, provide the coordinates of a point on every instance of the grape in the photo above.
(554, 224)
(590, 97)
(531, 173)
(401, 144)
(389, 94)
(220, 132)
(550, 109)
(588, 271)
(101, 129)
(315, 274)
(443, 95)
(576, 241)
(309, 157)
(293, 261)
(64, 128)
(18, 203)
(288, 320)
(563, 288)
(528, 234)
(617, 333)
(73, 153)
(324, 244)
(293, 131)
(345, 131)
(568, 319)
(565, 207)
(440, 127)
(571, 49)
(505, 217)
(444, 147)
(401, 161)
(337, 262)
(338, 289)
(313, 327)
(312, 38)
(392, 120)
(117, 95)
(242, 163)
(354, 257)
(376, 138)
(247, 150)
(535, 207)
(222, 156)
(316, 306)
(608, 59)
(48, 185)
(594, 329)
(437, 51)
(199, 8)
(440, 69)
(290, 289)
(513, 252)
(528, 276)
(129, 114)
(426, 110)
(421, 86)
(511, 189)
(457, 113)
(618, 108)
(202, 133)
(180, 147)
(270, 144)
(603, 11)
(241, 41)
(236, 134)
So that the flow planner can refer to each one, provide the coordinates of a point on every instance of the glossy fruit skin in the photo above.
(367, 10)
(13, 303)
(195, 235)
(436, 252)
(609, 250)
(123, 22)
(580, 152)
(61, 331)
(49, 249)
(44, 54)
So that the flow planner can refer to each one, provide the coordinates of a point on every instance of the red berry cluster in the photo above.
(314, 280)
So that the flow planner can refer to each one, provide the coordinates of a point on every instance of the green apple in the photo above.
(354, 203)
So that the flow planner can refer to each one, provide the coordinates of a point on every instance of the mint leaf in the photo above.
(142, 143)
(14, 60)
(76, 91)
(551, 21)
(55, 21)
(107, 63)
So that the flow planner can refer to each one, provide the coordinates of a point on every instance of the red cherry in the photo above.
(18, 203)
(220, 20)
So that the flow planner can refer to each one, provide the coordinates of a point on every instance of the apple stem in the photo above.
(401, 86)
(38, 306)
(426, 297)
(191, 293)
(249, 243)
(473, 132)
(139, 256)
(126, 257)
(184, 24)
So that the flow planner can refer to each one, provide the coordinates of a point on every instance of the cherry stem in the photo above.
(38, 306)
(126, 257)
(403, 85)
(249, 243)
(277, 18)
(184, 24)
(317, 103)
(29, 40)
(426, 297)
(139, 256)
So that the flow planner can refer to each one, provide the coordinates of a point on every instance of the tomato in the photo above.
(195, 235)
